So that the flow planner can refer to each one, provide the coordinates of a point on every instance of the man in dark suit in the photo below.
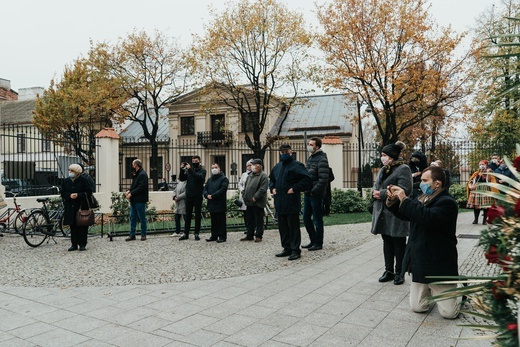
(138, 196)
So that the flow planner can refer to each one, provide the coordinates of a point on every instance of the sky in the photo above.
(41, 37)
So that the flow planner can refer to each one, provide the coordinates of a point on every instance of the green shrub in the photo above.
(347, 201)
(121, 208)
(458, 191)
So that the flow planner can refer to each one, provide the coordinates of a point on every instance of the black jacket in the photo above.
(80, 186)
(195, 182)
(285, 175)
(432, 245)
(216, 186)
(139, 187)
(318, 167)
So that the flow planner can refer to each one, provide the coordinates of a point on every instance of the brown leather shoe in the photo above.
(143, 238)
(258, 239)
(245, 239)
(130, 238)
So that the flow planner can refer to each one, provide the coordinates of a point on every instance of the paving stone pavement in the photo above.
(163, 292)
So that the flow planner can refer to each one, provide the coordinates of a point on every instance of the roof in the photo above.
(134, 132)
(17, 112)
(319, 116)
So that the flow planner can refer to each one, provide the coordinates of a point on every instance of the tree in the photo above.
(248, 54)
(496, 117)
(73, 109)
(390, 54)
(152, 73)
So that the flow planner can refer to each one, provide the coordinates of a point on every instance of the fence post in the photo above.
(107, 166)
(333, 146)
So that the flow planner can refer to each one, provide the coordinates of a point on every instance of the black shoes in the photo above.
(72, 248)
(197, 238)
(184, 237)
(220, 241)
(308, 246)
(475, 221)
(130, 238)
(211, 239)
(294, 256)
(387, 276)
(314, 248)
(285, 253)
(398, 280)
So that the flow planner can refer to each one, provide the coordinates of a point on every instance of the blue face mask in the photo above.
(285, 156)
(426, 189)
(71, 175)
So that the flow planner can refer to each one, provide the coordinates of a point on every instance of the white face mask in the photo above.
(310, 149)
(482, 167)
(386, 160)
(214, 171)
(72, 174)
(254, 169)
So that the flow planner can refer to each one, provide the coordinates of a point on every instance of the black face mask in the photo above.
(196, 165)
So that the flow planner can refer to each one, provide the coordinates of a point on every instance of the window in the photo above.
(46, 144)
(248, 120)
(187, 125)
(20, 143)
(218, 123)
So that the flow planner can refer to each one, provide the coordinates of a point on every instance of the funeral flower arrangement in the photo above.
(496, 299)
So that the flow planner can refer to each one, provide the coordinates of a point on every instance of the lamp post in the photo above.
(360, 142)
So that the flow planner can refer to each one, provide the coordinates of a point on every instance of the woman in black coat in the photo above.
(75, 190)
(215, 191)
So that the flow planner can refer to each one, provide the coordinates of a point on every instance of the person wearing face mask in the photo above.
(393, 230)
(241, 186)
(417, 164)
(432, 245)
(196, 175)
(75, 190)
(495, 162)
(179, 196)
(287, 180)
(163, 186)
(138, 197)
(255, 198)
(478, 201)
(503, 170)
(318, 168)
(215, 192)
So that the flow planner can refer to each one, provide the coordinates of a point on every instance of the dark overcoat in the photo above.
(432, 245)
(216, 186)
(384, 221)
(80, 186)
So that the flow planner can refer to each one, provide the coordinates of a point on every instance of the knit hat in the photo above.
(249, 162)
(393, 150)
(75, 168)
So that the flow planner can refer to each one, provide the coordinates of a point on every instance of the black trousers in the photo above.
(190, 204)
(255, 221)
(393, 247)
(218, 225)
(289, 228)
(78, 235)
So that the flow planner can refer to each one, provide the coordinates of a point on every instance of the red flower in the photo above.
(513, 327)
(497, 294)
(517, 208)
(516, 163)
(495, 212)
(492, 255)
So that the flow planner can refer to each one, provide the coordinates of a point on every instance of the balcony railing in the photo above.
(216, 138)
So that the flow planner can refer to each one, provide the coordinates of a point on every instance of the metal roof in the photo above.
(134, 132)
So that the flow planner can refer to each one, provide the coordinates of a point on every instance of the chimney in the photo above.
(6, 93)
(29, 93)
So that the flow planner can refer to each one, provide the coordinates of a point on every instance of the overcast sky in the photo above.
(40, 37)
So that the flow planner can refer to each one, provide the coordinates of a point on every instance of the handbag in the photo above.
(85, 218)
(238, 202)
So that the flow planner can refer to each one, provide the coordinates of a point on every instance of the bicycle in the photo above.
(13, 218)
(43, 224)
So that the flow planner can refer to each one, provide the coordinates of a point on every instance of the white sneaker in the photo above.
(176, 235)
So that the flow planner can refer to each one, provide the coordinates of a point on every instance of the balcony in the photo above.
(215, 138)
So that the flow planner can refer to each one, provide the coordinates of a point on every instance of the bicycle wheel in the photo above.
(20, 218)
(65, 229)
(36, 228)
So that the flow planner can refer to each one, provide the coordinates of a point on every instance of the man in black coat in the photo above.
(318, 168)
(215, 191)
(138, 196)
(432, 244)
(196, 175)
(287, 180)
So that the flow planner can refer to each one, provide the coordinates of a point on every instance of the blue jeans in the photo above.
(313, 218)
(137, 210)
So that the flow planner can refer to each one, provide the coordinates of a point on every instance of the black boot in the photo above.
(484, 218)
(476, 212)
(387, 276)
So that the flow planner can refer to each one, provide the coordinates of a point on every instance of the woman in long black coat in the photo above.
(215, 191)
(75, 190)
